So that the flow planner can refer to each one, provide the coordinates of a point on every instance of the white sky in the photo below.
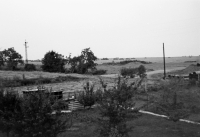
(111, 28)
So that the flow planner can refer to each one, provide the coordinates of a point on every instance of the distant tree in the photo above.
(53, 62)
(11, 58)
(75, 64)
(1, 59)
(82, 63)
(88, 58)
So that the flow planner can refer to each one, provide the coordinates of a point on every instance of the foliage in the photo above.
(141, 70)
(129, 72)
(17, 81)
(36, 119)
(116, 108)
(30, 67)
(87, 98)
(11, 58)
(9, 103)
(125, 62)
(53, 62)
(82, 63)
(99, 72)
(170, 105)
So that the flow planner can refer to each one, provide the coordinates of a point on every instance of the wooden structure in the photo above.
(71, 98)
(56, 94)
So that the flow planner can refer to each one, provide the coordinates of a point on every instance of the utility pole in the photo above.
(26, 51)
(164, 60)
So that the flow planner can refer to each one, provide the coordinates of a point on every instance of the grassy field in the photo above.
(34, 74)
(144, 126)
(157, 63)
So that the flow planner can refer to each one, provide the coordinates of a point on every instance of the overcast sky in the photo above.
(111, 28)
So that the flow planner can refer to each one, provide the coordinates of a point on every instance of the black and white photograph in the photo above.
(99, 68)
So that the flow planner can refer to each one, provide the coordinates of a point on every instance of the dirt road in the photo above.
(150, 73)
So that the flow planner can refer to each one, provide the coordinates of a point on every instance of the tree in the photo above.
(82, 63)
(11, 58)
(36, 119)
(88, 58)
(53, 62)
(87, 98)
(170, 104)
(116, 108)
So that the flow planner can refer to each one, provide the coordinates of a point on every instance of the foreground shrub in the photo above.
(170, 104)
(116, 107)
(32, 116)
(30, 67)
(9, 104)
(87, 98)
(36, 119)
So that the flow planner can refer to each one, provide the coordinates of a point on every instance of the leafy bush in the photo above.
(9, 104)
(141, 70)
(133, 71)
(129, 71)
(87, 98)
(32, 115)
(30, 67)
(99, 72)
(169, 103)
(116, 108)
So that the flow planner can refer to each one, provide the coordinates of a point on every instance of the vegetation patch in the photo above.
(16, 82)
(126, 62)
(99, 72)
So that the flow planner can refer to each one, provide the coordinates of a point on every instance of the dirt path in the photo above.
(149, 74)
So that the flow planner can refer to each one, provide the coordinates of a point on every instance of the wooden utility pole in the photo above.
(164, 60)
(26, 51)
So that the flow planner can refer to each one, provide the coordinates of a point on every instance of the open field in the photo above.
(157, 63)
(145, 125)
(34, 74)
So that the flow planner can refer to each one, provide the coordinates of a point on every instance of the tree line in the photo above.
(51, 62)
